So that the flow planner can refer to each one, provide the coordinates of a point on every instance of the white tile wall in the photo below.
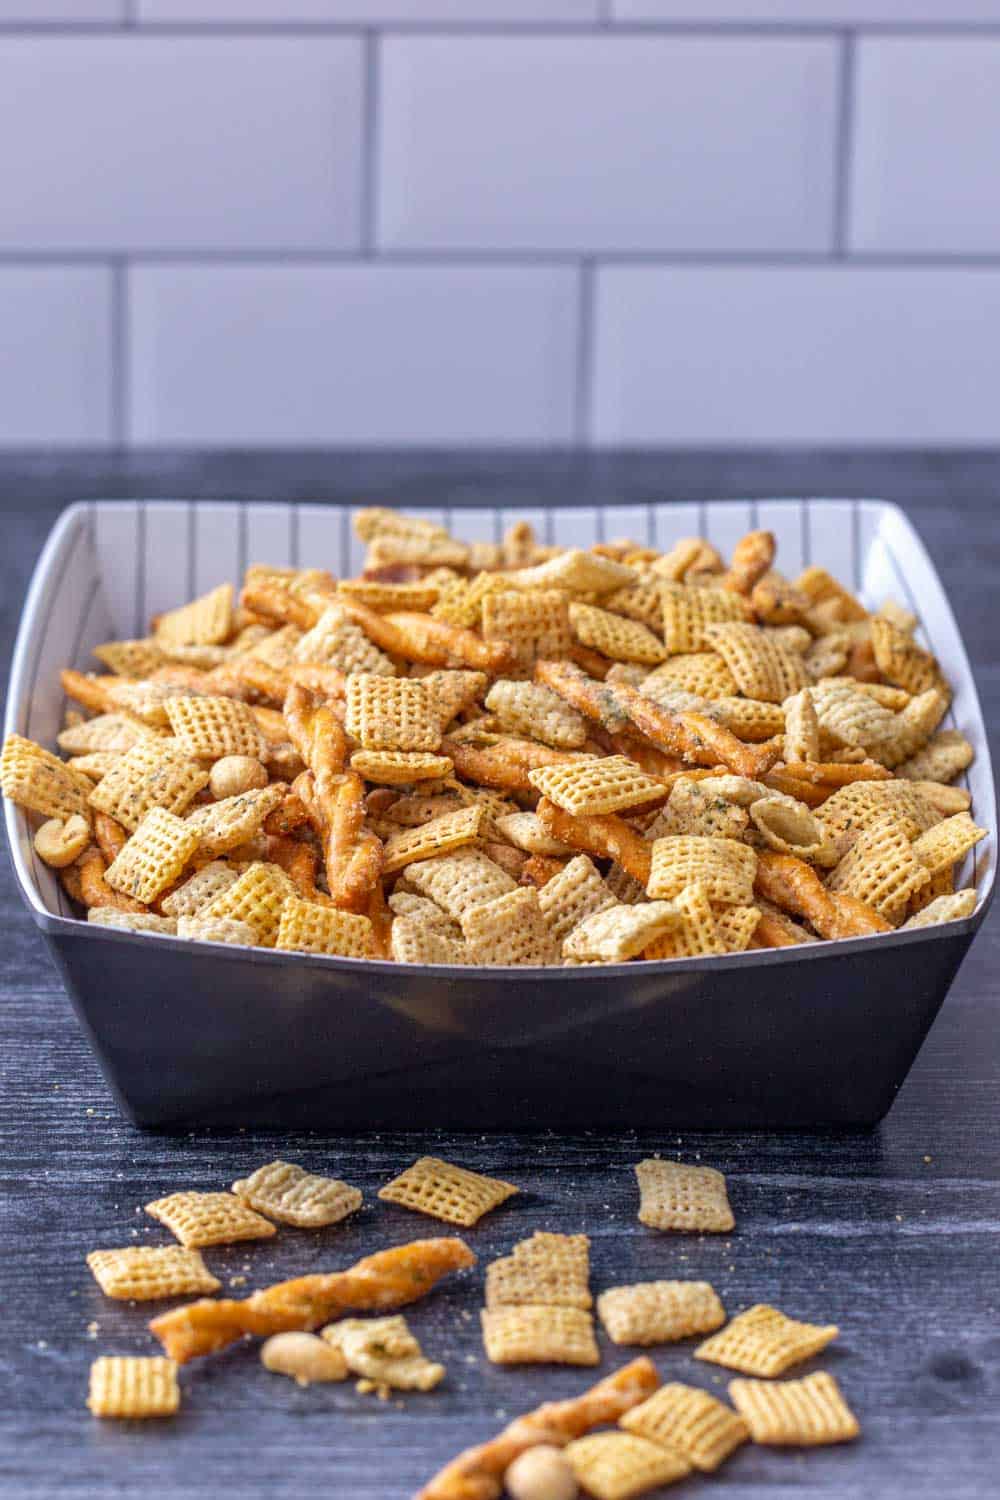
(55, 354)
(208, 144)
(591, 143)
(741, 355)
(366, 12)
(926, 172)
(339, 354)
(499, 221)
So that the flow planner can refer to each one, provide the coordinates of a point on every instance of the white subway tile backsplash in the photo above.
(607, 143)
(55, 12)
(808, 12)
(747, 355)
(257, 355)
(174, 143)
(925, 149)
(365, 12)
(55, 354)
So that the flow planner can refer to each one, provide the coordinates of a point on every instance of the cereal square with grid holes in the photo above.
(597, 785)
(659, 1312)
(142, 1273)
(149, 775)
(539, 1334)
(688, 613)
(808, 1413)
(258, 898)
(724, 867)
(458, 882)
(764, 1341)
(510, 930)
(689, 1421)
(209, 1219)
(132, 1387)
(39, 781)
(614, 636)
(675, 1196)
(154, 857)
(290, 1194)
(577, 892)
(307, 927)
(391, 713)
(535, 624)
(434, 1187)
(209, 728)
(451, 830)
(762, 667)
(551, 1270)
(618, 1465)
(206, 621)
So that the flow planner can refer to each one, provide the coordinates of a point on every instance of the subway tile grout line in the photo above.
(844, 149)
(526, 258)
(596, 28)
(370, 103)
(584, 374)
(119, 353)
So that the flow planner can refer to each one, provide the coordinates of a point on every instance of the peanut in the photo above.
(541, 1473)
(58, 843)
(304, 1357)
(235, 774)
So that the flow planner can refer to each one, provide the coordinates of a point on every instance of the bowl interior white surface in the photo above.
(108, 566)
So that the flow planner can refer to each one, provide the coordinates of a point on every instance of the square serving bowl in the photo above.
(797, 1038)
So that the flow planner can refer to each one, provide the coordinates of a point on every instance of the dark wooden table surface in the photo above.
(893, 1235)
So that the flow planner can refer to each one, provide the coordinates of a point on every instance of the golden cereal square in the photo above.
(578, 572)
(130, 658)
(701, 672)
(151, 774)
(535, 624)
(335, 640)
(39, 781)
(510, 930)
(384, 597)
(290, 1194)
(618, 1465)
(724, 867)
(258, 898)
(129, 1387)
(443, 1191)
(900, 660)
(539, 1335)
(154, 857)
(807, 1413)
(764, 1341)
(689, 1421)
(115, 732)
(221, 826)
(947, 843)
(688, 614)
(191, 898)
(392, 713)
(736, 926)
(763, 668)
(639, 601)
(552, 1270)
(946, 755)
(659, 1312)
(141, 1273)
(209, 728)
(595, 784)
(882, 869)
(617, 638)
(207, 621)
(400, 767)
(618, 933)
(948, 908)
(675, 1196)
(577, 892)
(209, 1219)
(306, 927)
(439, 836)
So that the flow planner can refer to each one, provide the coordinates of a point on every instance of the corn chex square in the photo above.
(207, 621)
(36, 779)
(597, 784)
(414, 940)
(208, 728)
(223, 825)
(209, 1219)
(439, 836)
(577, 571)
(618, 1465)
(763, 1341)
(689, 1421)
(153, 857)
(400, 767)
(130, 1387)
(614, 636)
(258, 898)
(723, 867)
(539, 1335)
(306, 927)
(535, 624)
(510, 930)
(551, 1270)
(130, 658)
(458, 882)
(115, 732)
(391, 713)
(808, 1413)
(675, 1196)
(620, 932)
(389, 596)
(949, 908)
(290, 1194)
(149, 775)
(577, 892)
(689, 612)
(140, 1273)
(659, 1312)
(762, 667)
(947, 843)
(882, 869)
(701, 672)
(443, 1191)
(200, 890)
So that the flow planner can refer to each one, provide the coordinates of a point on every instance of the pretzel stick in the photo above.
(478, 1473)
(389, 1278)
(603, 834)
(380, 917)
(592, 662)
(651, 760)
(503, 765)
(85, 688)
(265, 597)
(793, 885)
(836, 773)
(803, 791)
(595, 700)
(109, 835)
(539, 869)
(694, 737)
(298, 862)
(752, 556)
(417, 637)
(771, 933)
(291, 813)
(94, 889)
